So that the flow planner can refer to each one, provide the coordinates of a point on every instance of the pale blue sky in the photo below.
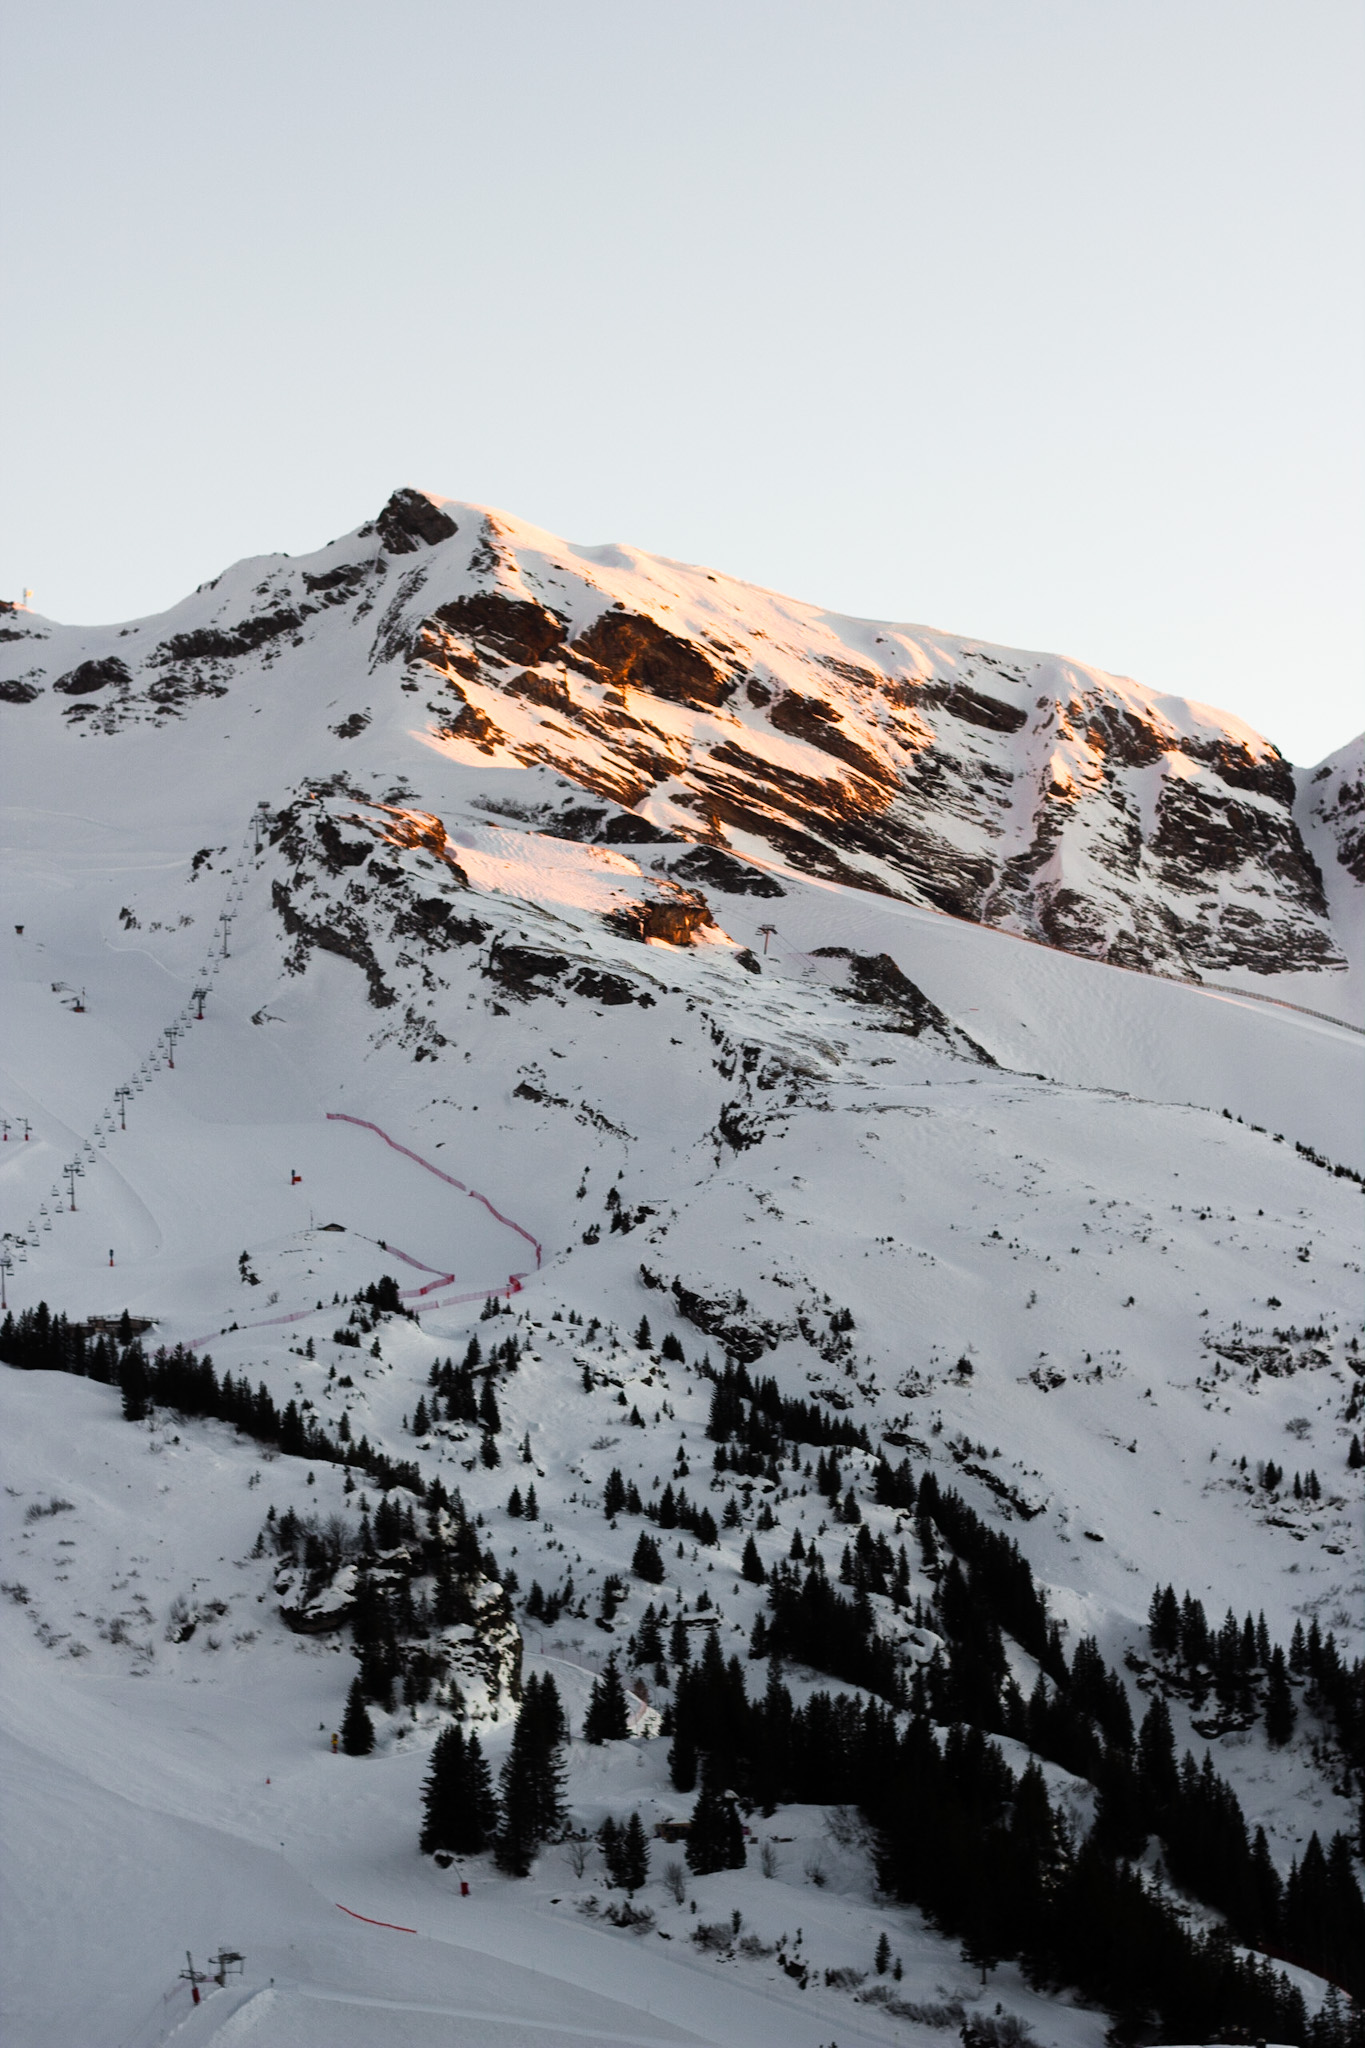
(1036, 321)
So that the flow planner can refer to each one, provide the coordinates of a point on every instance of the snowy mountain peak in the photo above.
(1011, 788)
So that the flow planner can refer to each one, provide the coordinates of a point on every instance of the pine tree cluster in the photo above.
(38, 1341)
(757, 1416)
(461, 1813)
(671, 1510)
(532, 1779)
(370, 1305)
(715, 1833)
(179, 1380)
(625, 1851)
(986, 1857)
(1078, 1715)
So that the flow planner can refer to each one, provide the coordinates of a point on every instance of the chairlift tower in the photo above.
(194, 1978)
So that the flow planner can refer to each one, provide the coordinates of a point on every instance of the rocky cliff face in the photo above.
(1332, 808)
(1010, 788)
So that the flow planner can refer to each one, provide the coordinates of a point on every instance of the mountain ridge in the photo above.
(1009, 788)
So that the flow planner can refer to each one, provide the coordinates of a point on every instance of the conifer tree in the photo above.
(1156, 1767)
(705, 1851)
(1119, 1822)
(1163, 1622)
(647, 1564)
(679, 1647)
(634, 1855)
(649, 1642)
(609, 1842)
(682, 1760)
(1279, 1702)
(715, 1837)
(132, 1379)
(751, 1566)
(357, 1729)
(607, 1718)
(532, 1778)
(613, 1494)
(625, 1852)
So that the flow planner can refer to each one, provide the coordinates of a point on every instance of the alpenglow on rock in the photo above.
(1014, 789)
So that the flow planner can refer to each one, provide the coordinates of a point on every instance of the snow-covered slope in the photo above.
(533, 962)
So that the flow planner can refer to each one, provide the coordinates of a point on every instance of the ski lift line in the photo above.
(336, 1116)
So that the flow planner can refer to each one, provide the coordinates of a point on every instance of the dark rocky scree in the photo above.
(526, 971)
(379, 897)
(379, 906)
(1338, 802)
(410, 521)
(674, 917)
(876, 980)
(708, 868)
(91, 676)
(227, 643)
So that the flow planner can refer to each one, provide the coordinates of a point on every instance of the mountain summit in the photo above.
(1014, 789)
